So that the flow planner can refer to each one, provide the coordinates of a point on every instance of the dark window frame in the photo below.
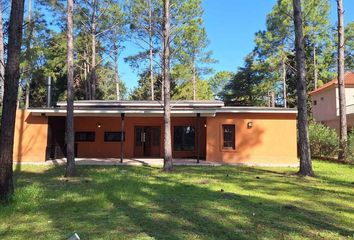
(85, 136)
(229, 144)
(185, 146)
(114, 139)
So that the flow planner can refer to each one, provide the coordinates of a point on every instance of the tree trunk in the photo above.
(168, 164)
(12, 76)
(28, 56)
(87, 86)
(315, 78)
(194, 81)
(342, 153)
(116, 72)
(2, 56)
(284, 83)
(70, 156)
(273, 99)
(93, 52)
(151, 56)
(304, 144)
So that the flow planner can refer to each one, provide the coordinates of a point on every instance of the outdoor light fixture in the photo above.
(249, 125)
(99, 125)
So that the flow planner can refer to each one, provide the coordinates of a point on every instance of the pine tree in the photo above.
(304, 142)
(12, 75)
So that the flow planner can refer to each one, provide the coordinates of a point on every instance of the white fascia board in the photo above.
(256, 110)
(127, 112)
(144, 104)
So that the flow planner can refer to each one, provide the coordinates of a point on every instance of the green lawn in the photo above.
(191, 203)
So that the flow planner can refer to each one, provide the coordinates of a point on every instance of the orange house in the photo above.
(205, 130)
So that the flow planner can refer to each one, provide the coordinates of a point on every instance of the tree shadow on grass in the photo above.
(132, 202)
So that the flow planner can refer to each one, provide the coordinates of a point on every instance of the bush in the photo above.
(351, 147)
(324, 141)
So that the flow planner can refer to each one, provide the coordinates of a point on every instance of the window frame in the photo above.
(113, 132)
(233, 141)
(183, 149)
(77, 139)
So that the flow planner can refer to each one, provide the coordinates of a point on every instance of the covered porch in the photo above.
(125, 130)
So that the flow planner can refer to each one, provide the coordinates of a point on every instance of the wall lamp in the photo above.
(99, 125)
(249, 125)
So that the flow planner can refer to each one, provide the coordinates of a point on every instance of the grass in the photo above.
(190, 203)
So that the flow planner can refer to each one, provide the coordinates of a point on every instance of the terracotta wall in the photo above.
(101, 149)
(271, 140)
(30, 137)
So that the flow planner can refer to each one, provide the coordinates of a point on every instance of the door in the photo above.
(147, 141)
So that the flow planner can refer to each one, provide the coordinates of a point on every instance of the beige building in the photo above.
(325, 102)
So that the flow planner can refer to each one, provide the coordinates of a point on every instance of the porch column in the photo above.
(122, 138)
(198, 137)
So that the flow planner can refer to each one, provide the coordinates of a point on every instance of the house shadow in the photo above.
(140, 201)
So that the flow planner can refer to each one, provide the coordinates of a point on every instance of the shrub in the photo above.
(324, 141)
(350, 148)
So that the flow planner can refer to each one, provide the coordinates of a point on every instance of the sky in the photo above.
(231, 26)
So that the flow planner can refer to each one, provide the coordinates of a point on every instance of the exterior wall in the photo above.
(326, 107)
(30, 137)
(101, 149)
(349, 95)
(271, 140)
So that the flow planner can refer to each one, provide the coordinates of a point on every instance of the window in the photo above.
(183, 138)
(228, 136)
(315, 102)
(85, 136)
(113, 136)
(155, 136)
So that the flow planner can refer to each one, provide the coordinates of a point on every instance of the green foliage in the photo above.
(184, 91)
(218, 81)
(143, 90)
(323, 140)
(245, 88)
(189, 55)
(275, 47)
(350, 148)
(349, 48)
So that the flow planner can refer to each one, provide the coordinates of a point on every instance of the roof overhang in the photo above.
(257, 110)
(152, 109)
(142, 104)
(127, 112)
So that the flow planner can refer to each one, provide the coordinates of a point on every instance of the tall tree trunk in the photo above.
(284, 83)
(2, 56)
(168, 164)
(315, 74)
(304, 143)
(70, 156)
(342, 154)
(93, 52)
(194, 81)
(116, 72)
(12, 76)
(151, 54)
(116, 65)
(29, 29)
(87, 86)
